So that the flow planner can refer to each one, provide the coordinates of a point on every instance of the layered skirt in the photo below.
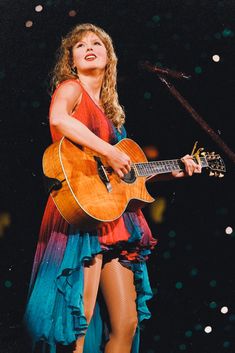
(55, 310)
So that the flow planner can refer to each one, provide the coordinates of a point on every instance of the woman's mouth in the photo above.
(90, 57)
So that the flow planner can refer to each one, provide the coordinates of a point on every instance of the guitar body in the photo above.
(84, 199)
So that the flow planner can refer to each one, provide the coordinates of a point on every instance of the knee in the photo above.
(131, 326)
(126, 327)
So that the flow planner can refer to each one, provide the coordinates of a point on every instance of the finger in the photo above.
(125, 170)
(189, 169)
(198, 169)
(120, 174)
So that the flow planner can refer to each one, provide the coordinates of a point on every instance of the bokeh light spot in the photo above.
(198, 70)
(72, 13)
(156, 19)
(232, 317)
(179, 285)
(226, 344)
(147, 95)
(156, 338)
(224, 310)
(213, 305)
(198, 327)
(182, 347)
(213, 283)
(5, 222)
(157, 210)
(228, 230)
(218, 35)
(208, 329)
(227, 32)
(166, 255)
(28, 24)
(188, 333)
(216, 58)
(172, 234)
(151, 152)
(38, 8)
(194, 272)
(8, 284)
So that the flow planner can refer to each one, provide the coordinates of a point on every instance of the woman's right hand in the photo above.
(119, 161)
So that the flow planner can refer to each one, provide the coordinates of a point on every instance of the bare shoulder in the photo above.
(69, 89)
(66, 96)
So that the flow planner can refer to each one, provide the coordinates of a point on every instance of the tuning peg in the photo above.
(211, 173)
(203, 154)
(221, 175)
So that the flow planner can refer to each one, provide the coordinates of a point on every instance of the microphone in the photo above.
(164, 71)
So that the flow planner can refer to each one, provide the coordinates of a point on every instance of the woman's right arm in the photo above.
(64, 102)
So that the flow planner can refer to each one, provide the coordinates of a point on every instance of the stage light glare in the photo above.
(72, 13)
(28, 24)
(229, 230)
(224, 310)
(151, 151)
(216, 58)
(208, 329)
(38, 8)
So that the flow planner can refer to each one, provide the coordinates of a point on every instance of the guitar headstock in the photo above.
(215, 164)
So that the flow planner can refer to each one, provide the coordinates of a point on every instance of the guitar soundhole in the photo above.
(130, 177)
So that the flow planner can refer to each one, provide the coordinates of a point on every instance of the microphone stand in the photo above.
(162, 73)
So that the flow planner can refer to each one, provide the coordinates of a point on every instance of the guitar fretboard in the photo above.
(161, 167)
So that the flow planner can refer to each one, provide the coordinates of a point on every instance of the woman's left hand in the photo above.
(190, 167)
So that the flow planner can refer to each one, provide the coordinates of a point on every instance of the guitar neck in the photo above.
(163, 167)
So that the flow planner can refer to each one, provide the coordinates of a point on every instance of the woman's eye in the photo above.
(79, 45)
(97, 43)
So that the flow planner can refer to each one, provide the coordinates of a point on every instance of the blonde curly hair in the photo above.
(63, 70)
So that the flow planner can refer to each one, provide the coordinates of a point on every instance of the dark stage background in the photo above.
(192, 270)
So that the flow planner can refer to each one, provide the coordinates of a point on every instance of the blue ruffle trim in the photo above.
(55, 311)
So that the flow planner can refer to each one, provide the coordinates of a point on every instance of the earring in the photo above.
(74, 71)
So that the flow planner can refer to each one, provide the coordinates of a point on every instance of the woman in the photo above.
(64, 306)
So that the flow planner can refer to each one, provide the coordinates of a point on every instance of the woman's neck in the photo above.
(92, 85)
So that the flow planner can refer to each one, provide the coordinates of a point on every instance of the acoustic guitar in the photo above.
(87, 192)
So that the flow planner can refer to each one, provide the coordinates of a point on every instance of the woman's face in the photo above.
(89, 53)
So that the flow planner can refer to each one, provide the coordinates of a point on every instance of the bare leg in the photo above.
(91, 284)
(117, 285)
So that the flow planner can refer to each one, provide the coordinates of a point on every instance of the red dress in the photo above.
(56, 281)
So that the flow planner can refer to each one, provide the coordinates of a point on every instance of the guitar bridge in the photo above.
(102, 174)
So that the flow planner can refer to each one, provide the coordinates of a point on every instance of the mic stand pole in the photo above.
(198, 118)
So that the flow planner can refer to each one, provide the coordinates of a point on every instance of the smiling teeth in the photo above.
(90, 57)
